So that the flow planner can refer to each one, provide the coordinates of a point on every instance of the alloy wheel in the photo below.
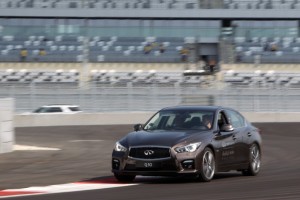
(208, 165)
(255, 159)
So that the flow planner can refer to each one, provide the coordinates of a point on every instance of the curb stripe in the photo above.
(63, 188)
(8, 193)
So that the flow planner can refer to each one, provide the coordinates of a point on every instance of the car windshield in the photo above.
(41, 110)
(181, 120)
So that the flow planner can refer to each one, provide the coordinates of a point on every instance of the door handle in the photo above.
(234, 137)
(249, 134)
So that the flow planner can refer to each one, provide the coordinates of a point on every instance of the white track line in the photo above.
(33, 148)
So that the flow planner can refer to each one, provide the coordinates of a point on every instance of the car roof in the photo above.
(60, 105)
(195, 107)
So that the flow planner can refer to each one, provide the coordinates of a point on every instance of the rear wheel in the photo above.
(208, 165)
(254, 161)
(124, 178)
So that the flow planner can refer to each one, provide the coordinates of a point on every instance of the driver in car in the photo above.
(207, 121)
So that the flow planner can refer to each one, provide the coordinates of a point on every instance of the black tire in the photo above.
(208, 165)
(124, 178)
(254, 161)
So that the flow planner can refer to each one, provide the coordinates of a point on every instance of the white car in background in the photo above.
(58, 109)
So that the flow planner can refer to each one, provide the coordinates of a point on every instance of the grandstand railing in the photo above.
(146, 4)
(21, 32)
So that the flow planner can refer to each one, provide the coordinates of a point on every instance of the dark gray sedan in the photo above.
(189, 140)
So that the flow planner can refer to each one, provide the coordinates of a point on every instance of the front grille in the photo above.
(149, 152)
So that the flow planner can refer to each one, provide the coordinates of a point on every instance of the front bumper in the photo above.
(173, 166)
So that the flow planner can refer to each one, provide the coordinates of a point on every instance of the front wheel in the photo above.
(254, 161)
(208, 165)
(124, 178)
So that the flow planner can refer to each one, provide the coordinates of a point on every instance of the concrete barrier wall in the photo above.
(81, 119)
(7, 137)
(126, 118)
(272, 116)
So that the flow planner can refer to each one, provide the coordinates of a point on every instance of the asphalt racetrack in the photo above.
(85, 156)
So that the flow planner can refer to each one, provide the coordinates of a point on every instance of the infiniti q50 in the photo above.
(189, 140)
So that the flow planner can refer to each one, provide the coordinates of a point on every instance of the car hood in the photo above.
(163, 138)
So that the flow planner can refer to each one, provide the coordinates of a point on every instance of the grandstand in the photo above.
(101, 32)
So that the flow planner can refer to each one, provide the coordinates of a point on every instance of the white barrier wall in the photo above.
(126, 118)
(81, 119)
(7, 136)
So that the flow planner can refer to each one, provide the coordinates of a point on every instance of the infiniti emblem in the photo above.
(148, 152)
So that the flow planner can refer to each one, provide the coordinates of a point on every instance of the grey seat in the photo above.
(195, 121)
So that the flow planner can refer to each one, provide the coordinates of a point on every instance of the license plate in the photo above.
(145, 164)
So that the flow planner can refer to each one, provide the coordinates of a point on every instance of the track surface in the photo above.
(86, 152)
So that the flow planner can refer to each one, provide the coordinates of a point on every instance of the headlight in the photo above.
(119, 147)
(188, 148)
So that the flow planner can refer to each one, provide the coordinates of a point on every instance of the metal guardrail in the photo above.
(111, 98)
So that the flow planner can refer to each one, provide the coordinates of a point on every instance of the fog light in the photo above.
(115, 163)
(188, 164)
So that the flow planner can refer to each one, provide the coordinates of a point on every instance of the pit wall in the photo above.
(83, 119)
(7, 136)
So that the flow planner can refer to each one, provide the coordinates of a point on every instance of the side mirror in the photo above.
(137, 127)
(226, 128)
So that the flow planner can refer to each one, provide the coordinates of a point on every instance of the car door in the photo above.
(240, 133)
(225, 151)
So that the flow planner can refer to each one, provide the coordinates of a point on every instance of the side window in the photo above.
(221, 119)
(55, 109)
(235, 119)
(74, 109)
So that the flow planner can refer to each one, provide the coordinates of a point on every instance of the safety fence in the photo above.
(151, 97)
